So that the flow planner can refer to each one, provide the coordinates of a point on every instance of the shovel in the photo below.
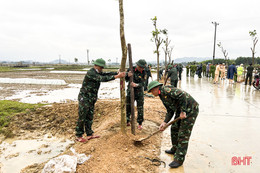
(167, 125)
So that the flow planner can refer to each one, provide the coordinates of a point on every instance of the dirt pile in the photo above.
(113, 152)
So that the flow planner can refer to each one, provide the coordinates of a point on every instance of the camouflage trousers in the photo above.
(139, 98)
(146, 83)
(86, 113)
(180, 135)
(174, 83)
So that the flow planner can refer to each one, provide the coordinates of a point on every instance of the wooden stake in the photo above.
(132, 94)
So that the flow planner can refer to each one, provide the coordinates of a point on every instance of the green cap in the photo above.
(141, 63)
(153, 84)
(170, 66)
(100, 62)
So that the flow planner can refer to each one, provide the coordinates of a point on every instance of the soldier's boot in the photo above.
(175, 164)
(170, 151)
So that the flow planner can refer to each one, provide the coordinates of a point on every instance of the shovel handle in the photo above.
(167, 125)
(170, 123)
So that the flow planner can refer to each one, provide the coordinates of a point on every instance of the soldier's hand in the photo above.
(134, 84)
(161, 128)
(183, 115)
(130, 74)
(120, 75)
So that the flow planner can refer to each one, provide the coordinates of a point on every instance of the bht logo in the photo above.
(238, 160)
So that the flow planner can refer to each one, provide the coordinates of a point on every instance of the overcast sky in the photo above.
(41, 30)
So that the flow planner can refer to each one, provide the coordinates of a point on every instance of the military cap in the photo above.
(100, 62)
(153, 84)
(169, 66)
(141, 63)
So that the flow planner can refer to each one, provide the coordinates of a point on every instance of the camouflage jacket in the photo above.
(139, 78)
(91, 82)
(173, 74)
(147, 72)
(174, 100)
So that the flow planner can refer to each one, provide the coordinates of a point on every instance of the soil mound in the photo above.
(113, 152)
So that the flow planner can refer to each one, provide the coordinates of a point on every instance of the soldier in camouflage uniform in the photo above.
(88, 96)
(138, 84)
(184, 106)
(173, 75)
(147, 75)
(179, 69)
(187, 70)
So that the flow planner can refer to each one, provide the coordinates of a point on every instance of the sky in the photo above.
(44, 30)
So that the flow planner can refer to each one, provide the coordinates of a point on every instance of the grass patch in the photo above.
(6, 69)
(8, 109)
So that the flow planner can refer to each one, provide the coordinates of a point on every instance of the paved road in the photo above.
(228, 125)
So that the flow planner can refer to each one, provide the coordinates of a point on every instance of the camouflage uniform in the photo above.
(138, 78)
(148, 74)
(87, 98)
(179, 69)
(173, 74)
(188, 70)
(176, 101)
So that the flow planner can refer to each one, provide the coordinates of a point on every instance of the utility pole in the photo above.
(88, 56)
(215, 23)
(59, 59)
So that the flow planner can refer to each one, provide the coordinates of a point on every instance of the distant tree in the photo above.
(158, 41)
(170, 54)
(255, 40)
(166, 51)
(109, 60)
(75, 60)
(225, 53)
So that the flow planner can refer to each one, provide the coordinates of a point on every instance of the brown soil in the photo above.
(113, 152)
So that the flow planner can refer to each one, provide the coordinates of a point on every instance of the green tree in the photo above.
(255, 40)
(166, 51)
(158, 41)
(225, 53)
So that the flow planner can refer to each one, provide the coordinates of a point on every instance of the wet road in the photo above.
(227, 126)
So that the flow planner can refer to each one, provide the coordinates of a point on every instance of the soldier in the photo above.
(187, 70)
(173, 74)
(185, 107)
(88, 96)
(138, 84)
(199, 70)
(249, 74)
(148, 74)
(179, 69)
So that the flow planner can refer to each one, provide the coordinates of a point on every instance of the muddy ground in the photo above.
(113, 152)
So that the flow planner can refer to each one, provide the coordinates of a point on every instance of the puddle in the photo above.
(32, 81)
(29, 69)
(69, 72)
(108, 90)
(21, 153)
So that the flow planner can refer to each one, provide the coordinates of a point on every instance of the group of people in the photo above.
(176, 101)
(219, 72)
(234, 74)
